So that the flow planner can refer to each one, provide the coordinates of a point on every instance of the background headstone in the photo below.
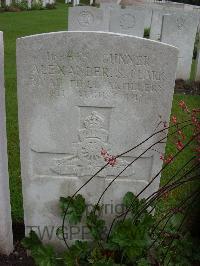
(8, 2)
(148, 17)
(148, 14)
(79, 92)
(180, 31)
(107, 1)
(156, 25)
(188, 7)
(6, 238)
(109, 5)
(127, 21)
(172, 6)
(86, 18)
(107, 8)
(76, 2)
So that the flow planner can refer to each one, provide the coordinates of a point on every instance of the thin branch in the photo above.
(181, 224)
(127, 211)
(65, 213)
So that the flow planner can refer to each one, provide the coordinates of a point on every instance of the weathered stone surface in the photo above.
(148, 14)
(188, 7)
(148, 17)
(87, 18)
(107, 1)
(165, 9)
(147, 8)
(79, 92)
(173, 6)
(107, 8)
(156, 23)
(158, 11)
(127, 21)
(180, 31)
(112, 6)
(6, 239)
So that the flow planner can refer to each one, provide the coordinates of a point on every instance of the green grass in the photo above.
(183, 191)
(15, 25)
(191, 102)
(19, 24)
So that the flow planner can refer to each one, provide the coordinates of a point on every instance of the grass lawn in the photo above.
(19, 24)
(15, 25)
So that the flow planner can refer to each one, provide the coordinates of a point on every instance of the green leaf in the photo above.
(77, 253)
(131, 201)
(31, 241)
(132, 239)
(43, 255)
(105, 262)
(143, 262)
(95, 225)
(74, 208)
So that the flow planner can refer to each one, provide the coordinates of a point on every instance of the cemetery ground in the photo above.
(15, 25)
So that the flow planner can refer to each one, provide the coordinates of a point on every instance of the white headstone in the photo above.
(196, 9)
(148, 17)
(8, 2)
(156, 23)
(158, 11)
(157, 17)
(173, 6)
(86, 18)
(180, 31)
(107, 8)
(188, 7)
(29, 3)
(76, 2)
(107, 2)
(6, 238)
(127, 21)
(112, 6)
(79, 92)
(148, 14)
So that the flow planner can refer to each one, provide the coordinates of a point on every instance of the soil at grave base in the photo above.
(19, 256)
(187, 87)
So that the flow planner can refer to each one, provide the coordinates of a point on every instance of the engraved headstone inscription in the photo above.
(87, 18)
(79, 92)
(127, 21)
(180, 31)
(6, 237)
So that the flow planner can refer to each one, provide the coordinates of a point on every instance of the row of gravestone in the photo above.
(29, 2)
(79, 92)
(172, 26)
